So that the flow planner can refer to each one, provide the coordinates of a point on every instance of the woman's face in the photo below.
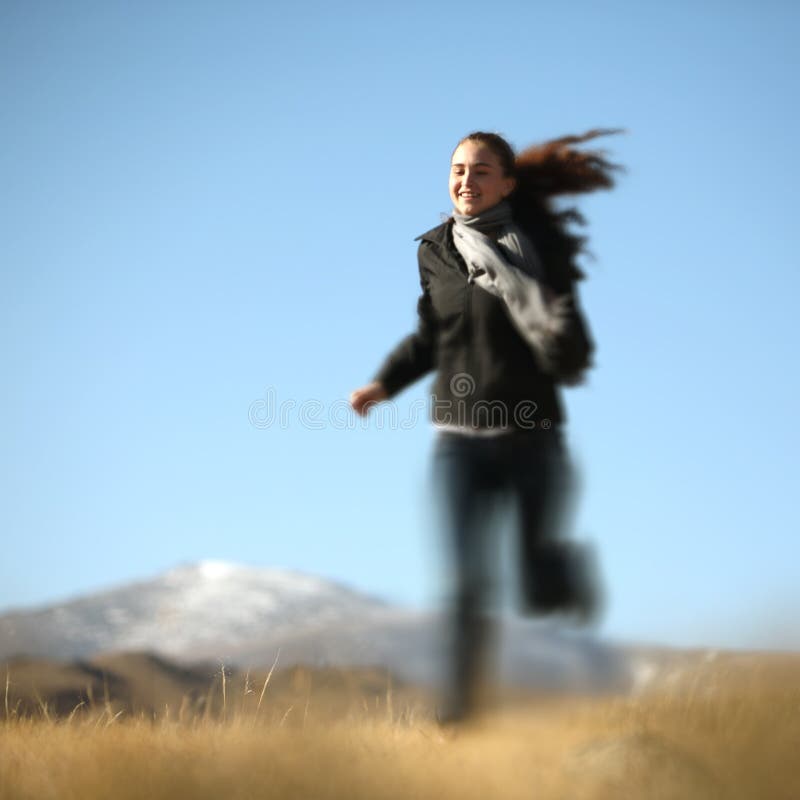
(477, 181)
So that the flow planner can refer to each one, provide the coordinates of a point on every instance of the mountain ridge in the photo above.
(238, 614)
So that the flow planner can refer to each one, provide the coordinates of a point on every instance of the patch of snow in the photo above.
(212, 570)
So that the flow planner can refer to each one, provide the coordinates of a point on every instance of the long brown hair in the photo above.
(545, 171)
(554, 168)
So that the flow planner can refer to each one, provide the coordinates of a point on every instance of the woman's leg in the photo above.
(463, 474)
(544, 484)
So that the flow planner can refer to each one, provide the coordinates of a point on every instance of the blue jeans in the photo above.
(531, 469)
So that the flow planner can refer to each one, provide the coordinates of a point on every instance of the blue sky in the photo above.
(208, 205)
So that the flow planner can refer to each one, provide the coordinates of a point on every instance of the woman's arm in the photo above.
(415, 355)
(572, 347)
(409, 360)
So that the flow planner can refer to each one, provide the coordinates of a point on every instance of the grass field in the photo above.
(728, 730)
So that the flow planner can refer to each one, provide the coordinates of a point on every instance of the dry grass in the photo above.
(732, 731)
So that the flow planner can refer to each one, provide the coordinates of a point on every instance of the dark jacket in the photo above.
(486, 374)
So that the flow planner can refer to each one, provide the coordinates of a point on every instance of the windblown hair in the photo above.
(543, 172)
(548, 170)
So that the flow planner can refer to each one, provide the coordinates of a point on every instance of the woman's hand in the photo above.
(371, 393)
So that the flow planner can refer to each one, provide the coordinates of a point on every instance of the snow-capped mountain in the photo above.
(193, 610)
(247, 615)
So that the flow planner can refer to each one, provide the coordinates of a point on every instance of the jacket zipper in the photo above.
(468, 401)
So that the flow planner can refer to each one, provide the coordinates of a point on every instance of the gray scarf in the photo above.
(511, 269)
